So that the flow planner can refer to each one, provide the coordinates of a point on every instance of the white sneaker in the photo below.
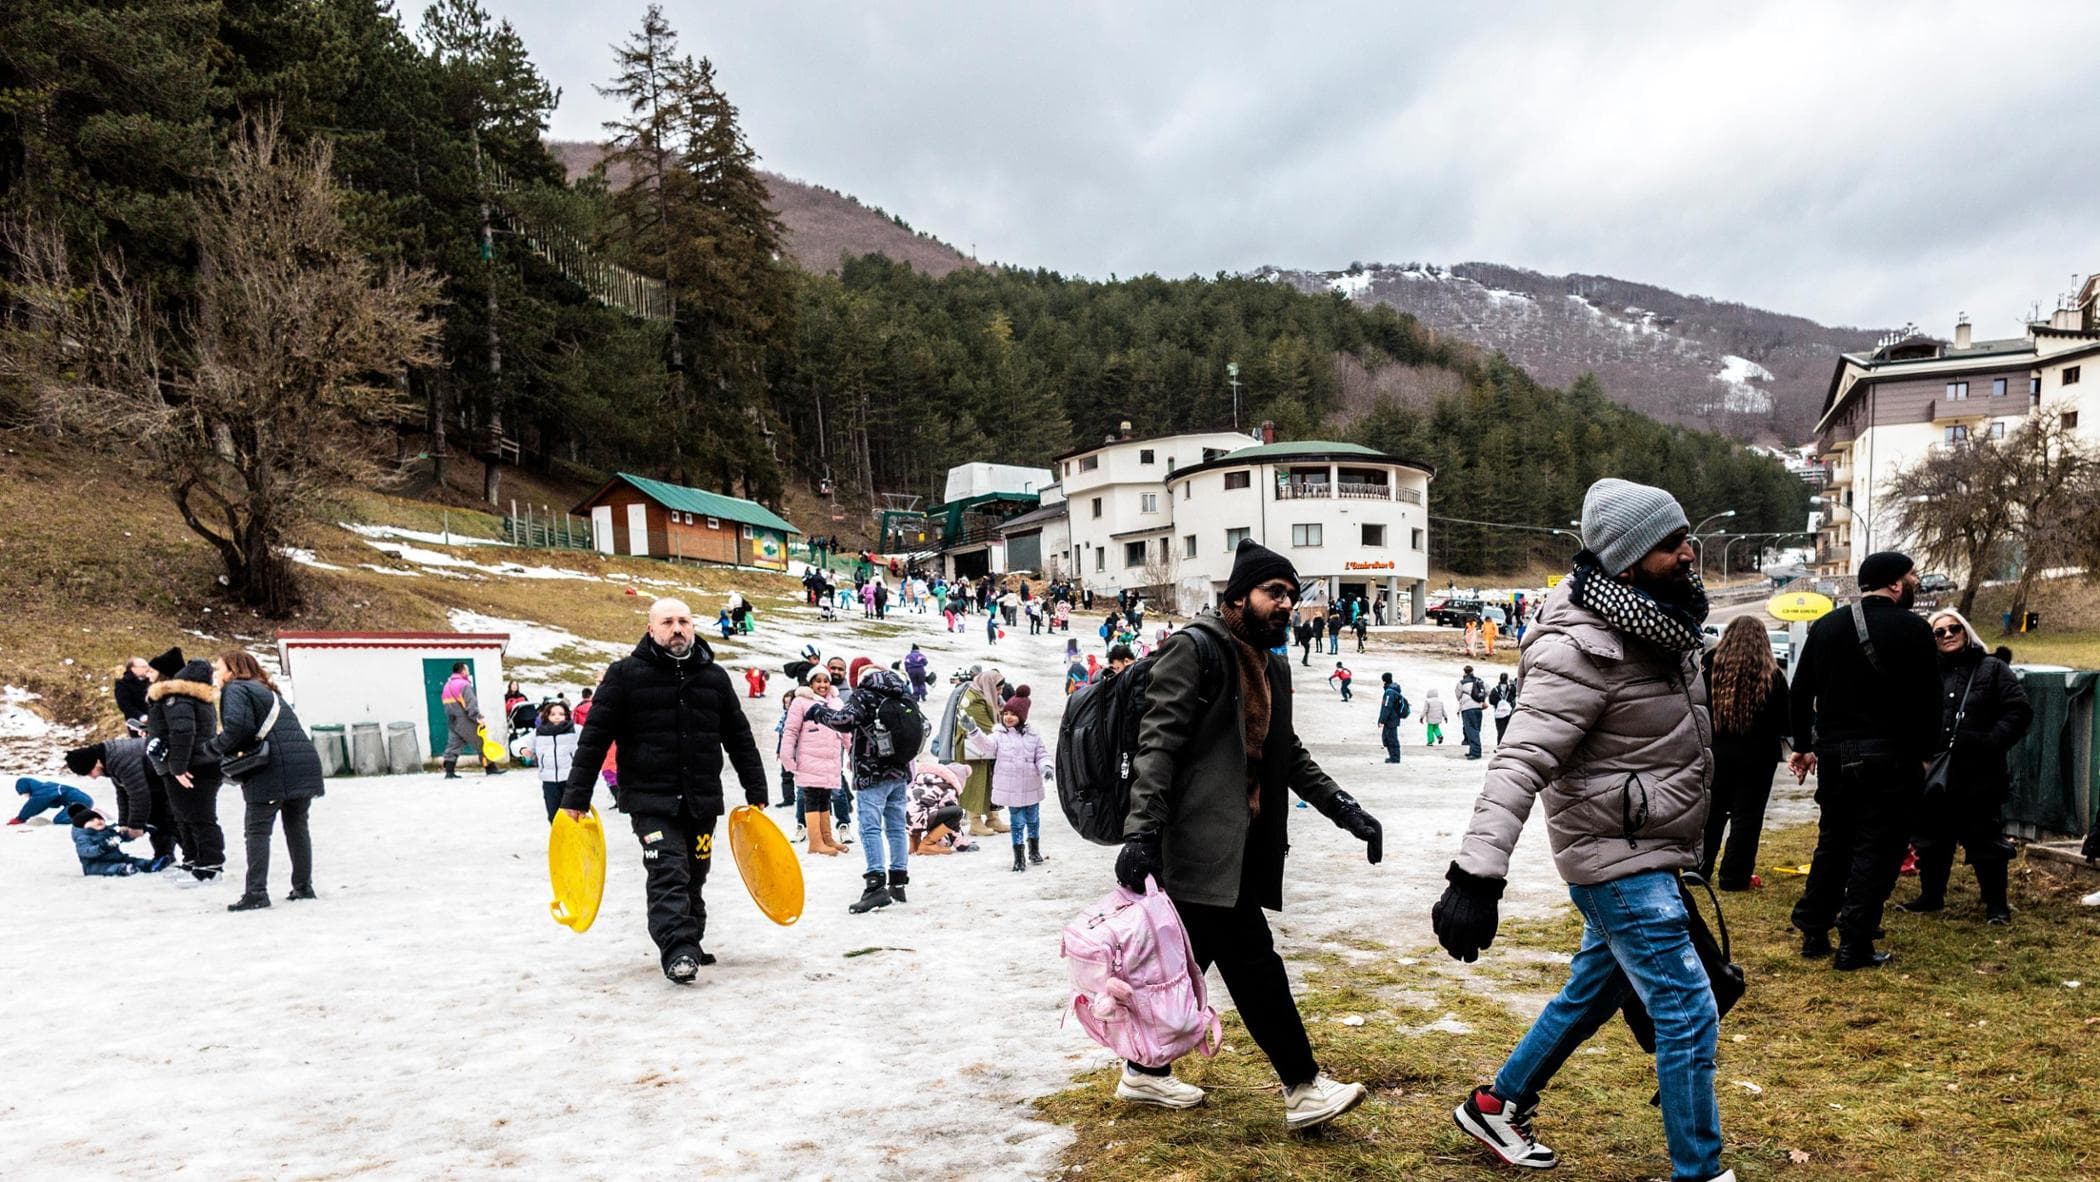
(1320, 1101)
(1164, 1090)
(2092, 900)
(1504, 1129)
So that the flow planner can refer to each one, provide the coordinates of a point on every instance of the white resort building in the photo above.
(1164, 515)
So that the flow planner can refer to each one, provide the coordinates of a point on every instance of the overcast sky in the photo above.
(1857, 163)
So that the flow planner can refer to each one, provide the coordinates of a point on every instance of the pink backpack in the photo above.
(1135, 986)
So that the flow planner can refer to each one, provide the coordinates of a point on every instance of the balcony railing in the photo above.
(1364, 492)
(1303, 492)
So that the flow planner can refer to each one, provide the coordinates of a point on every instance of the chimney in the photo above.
(1962, 334)
(1268, 431)
(1124, 427)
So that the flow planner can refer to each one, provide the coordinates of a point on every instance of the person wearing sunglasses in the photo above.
(1217, 756)
(1612, 731)
(1984, 712)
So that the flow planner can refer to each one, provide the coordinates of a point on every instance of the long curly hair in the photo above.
(1743, 671)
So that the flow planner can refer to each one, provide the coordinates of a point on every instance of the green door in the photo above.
(436, 672)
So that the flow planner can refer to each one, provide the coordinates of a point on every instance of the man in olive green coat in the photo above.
(1217, 757)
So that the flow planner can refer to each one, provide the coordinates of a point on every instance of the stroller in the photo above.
(524, 719)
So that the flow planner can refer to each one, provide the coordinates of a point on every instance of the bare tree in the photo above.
(274, 387)
(1956, 510)
(2053, 479)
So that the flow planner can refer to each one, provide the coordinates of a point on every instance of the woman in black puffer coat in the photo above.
(1995, 716)
(182, 715)
(285, 785)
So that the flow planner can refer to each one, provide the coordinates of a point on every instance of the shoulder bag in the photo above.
(242, 764)
(1939, 775)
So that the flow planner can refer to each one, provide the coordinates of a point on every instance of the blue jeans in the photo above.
(1636, 924)
(882, 816)
(1025, 816)
(1389, 734)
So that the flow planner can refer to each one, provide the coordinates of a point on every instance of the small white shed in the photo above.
(350, 677)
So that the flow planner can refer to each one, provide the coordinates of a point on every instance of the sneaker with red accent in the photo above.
(1504, 1128)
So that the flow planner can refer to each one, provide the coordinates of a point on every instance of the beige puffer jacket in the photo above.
(1614, 731)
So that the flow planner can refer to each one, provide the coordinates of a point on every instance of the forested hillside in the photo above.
(648, 315)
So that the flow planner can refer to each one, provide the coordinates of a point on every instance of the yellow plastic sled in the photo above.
(767, 861)
(491, 750)
(576, 868)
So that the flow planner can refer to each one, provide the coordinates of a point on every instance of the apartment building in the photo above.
(1889, 408)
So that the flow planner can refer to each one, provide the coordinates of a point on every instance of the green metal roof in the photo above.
(697, 500)
(1302, 447)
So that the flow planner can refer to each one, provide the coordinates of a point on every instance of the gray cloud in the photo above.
(1854, 163)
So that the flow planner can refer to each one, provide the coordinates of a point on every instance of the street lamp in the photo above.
(1702, 525)
(1232, 375)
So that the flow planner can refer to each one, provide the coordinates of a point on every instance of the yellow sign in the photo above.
(1799, 605)
(1355, 565)
(1553, 581)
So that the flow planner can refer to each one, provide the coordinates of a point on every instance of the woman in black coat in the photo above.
(285, 785)
(1746, 692)
(1984, 694)
(182, 715)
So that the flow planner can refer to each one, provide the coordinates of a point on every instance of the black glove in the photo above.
(1466, 917)
(756, 797)
(1140, 858)
(1361, 825)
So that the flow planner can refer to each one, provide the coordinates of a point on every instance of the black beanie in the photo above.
(1254, 564)
(81, 761)
(79, 814)
(1883, 568)
(169, 663)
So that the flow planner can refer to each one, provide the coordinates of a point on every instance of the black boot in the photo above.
(301, 892)
(1990, 883)
(249, 903)
(492, 769)
(898, 881)
(1020, 859)
(452, 767)
(1815, 945)
(1858, 956)
(1035, 852)
(876, 895)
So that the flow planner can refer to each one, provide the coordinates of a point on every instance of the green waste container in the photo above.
(2052, 766)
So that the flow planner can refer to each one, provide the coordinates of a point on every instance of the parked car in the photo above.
(1935, 584)
(1455, 613)
(1782, 645)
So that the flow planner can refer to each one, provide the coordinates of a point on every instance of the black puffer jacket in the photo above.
(131, 696)
(182, 714)
(871, 764)
(1996, 718)
(673, 720)
(294, 770)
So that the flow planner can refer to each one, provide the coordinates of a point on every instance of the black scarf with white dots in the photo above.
(1673, 627)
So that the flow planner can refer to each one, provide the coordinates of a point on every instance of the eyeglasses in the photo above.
(1278, 589)
(1945, 631)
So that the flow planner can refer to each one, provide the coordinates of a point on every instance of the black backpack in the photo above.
(899, 731)
(1097, 745)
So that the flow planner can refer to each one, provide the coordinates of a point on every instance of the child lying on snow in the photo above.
(96, 843)
(47, 794)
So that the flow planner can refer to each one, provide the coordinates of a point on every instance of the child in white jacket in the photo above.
(553, 752)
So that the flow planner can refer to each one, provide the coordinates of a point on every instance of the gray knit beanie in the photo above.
(1622, 520)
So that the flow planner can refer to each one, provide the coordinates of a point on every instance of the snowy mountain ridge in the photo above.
(1747, 372)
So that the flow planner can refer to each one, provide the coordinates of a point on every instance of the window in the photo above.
(1240, 479)
(1957, 390)
(1148, 502)
(2070, 375)
(1212, 453)
(1415, 539)
(1186, 485)
(1306, 535)
(1133, 554)
(1068, 467)
(2034, 391)
(1997, 387)
(748, 534)
(1233, 538)
(1374, 535)
(1097, 506)
(1188, 545)
(1100, 560)
(714, 523)
(2070, 420)
(1089, 463)
(1957, 433)
(1997, 430)
(1145, 455)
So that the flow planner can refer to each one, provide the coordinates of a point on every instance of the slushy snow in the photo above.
(426, 1018)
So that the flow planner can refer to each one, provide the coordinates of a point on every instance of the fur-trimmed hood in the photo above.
(188, 683)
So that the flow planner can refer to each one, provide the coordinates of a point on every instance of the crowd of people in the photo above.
(191, 726)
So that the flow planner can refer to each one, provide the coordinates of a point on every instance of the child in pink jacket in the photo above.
(816, 756)
(1020, 768)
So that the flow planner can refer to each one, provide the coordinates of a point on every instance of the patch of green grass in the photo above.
(1967, 1058)
(2079, 650)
